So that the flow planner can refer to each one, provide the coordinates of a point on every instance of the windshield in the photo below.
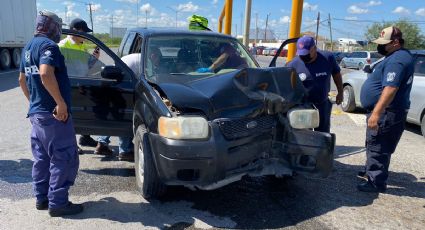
(189, 57)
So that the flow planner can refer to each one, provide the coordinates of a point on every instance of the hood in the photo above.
(242, 93)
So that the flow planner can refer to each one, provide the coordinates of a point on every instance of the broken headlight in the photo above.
(303, 118)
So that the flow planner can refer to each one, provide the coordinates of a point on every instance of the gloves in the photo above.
(204, 70)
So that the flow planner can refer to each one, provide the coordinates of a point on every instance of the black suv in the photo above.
(194, 128)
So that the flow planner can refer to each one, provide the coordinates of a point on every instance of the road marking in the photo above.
(359, 119)
(11, 71)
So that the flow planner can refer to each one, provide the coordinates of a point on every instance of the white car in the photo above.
(353, 82)
(358, 59)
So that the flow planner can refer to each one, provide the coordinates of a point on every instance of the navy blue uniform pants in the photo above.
(382, 143)
(56, 162)
(325, 109)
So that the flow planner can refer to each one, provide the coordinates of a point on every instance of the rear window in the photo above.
(362, 55)
(375, 55)
(420, 66)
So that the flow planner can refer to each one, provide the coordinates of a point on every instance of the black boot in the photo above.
(69, 209)
(42, 205)
(86, 140)
(369, 186)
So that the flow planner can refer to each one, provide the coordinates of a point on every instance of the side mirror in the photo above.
(367, 69)
(112, 72)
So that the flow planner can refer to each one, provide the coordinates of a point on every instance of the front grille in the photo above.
(238, 128)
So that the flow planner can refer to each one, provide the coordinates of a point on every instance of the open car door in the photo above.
(102, 88)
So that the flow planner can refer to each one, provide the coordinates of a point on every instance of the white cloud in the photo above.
(351, 18)
(188, 7)
(129, 1)
(284, 19)
(94, 7)
(308, 6)
(356, 10)
(374, 3)
(420, 12)
(146, 7)
(214, 2)
(401, 10)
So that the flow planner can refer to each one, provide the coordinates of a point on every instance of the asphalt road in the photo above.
(107, 188)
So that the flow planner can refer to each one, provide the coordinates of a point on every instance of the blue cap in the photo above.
(304, 45)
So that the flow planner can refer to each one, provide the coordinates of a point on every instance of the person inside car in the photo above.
(229, 59)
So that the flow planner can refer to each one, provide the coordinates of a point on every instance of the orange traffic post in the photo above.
(228, 17)
(295, 27)
(220, 20)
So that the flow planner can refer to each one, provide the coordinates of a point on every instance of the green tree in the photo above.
(411, 33)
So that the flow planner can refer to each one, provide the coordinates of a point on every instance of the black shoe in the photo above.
(368, 186)
(102, 149)
(86, 140)
(362, 175)
(42, 205)
(126, 156)
(70, 209)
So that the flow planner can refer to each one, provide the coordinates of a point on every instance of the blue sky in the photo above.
(349, 17)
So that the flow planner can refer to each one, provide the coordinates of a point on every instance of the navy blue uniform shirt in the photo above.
(395, 70)
(316, 76)
(41, 50)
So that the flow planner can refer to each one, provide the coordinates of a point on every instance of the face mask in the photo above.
(305, 58)
(381, 49)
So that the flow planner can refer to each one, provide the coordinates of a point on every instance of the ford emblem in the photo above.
(251, 124)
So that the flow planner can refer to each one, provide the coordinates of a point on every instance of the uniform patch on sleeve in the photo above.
(390, 76)
(302, 76)
(47, 54)
(410, 80)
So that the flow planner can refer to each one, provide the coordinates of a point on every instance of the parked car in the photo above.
(339, 56)
(272, 52)
(199, 130)
(260, 50)
(266, 51)
(353, 82)
(283, 53)
(358, 59)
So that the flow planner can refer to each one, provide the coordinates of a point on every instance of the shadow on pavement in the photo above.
(121, 172)
(16, 171)
(257, 203)
(9, 81)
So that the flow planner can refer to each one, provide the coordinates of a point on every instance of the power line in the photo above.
(357, 20)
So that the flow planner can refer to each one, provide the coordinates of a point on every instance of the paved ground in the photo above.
(107, 188)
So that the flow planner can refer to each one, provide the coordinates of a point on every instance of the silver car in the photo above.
(353, 82)
(358, 59)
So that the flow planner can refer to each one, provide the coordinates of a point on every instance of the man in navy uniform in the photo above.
(315, 68)
(385, 95)
(44, 82)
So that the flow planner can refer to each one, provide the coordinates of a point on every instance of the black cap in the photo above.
(79, 24)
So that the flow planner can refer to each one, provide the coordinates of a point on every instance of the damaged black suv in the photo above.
(193, 125)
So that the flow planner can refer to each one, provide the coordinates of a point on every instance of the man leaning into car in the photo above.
(314, 68)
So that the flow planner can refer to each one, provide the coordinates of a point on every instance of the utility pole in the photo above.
(137, 14)
(330, 30)
(256, 27)
(112, 28)
(247, 23)
(91, 15)
(241, 23)
(265, 31)
(176, 11)
(317, 27)
(66, 13)
(146, 18)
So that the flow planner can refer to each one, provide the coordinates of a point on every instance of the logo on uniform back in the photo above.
(390, 76)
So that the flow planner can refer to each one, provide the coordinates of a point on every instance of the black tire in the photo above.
(360, 66)
(423, 126)
(5, 59)
(349, 103)
(16, 57)
(147, 179)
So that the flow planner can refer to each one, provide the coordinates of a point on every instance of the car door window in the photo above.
(81, 60)
(362, 55)
(420, 66)
(128, 44)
